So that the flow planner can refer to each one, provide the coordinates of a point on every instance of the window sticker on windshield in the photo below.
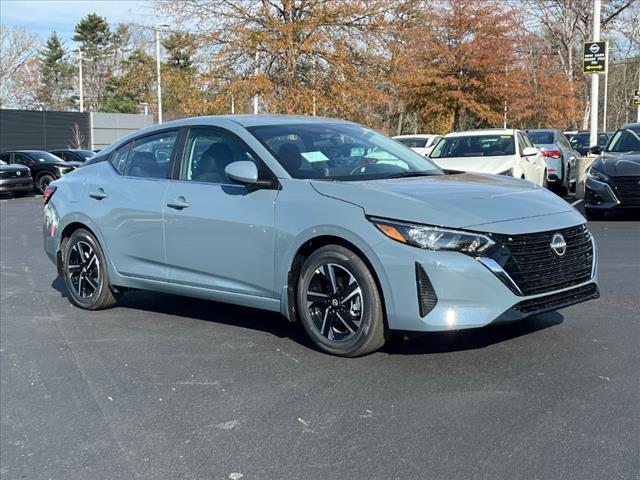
(505, 136)
(316, 156)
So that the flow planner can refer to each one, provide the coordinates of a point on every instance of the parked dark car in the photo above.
(45, 167)
(560, 156)
(613, 180)
(15, 179)
(580, 141)
(73, 154)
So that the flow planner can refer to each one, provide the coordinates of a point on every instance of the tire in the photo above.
(545, 180)
(43, 181)
(592, 214)
(85, 273)
(20, 194)
(346, 319)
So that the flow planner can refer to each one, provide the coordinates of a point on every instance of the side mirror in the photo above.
(244, 172)
(596, 150)
(529, 151)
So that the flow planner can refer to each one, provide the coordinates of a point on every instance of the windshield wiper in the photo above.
(411, 174)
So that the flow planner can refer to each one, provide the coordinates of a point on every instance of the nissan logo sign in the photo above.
(558, 244)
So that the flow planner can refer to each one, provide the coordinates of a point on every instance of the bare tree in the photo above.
(19, 49)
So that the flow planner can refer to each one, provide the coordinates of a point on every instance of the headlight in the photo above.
(596, 175)
(508, 173)
(434, 238)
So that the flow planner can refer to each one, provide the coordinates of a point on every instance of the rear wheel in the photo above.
(43, 181)
(85, 272)
(339, 303)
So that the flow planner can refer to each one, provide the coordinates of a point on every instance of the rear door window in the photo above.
(150, 156)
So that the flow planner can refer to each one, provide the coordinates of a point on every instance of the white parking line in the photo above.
(576, 202)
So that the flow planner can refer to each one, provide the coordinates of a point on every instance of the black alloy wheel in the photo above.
(339, 304)
(85, 272)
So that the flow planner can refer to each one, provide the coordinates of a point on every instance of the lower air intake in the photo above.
(427, 298)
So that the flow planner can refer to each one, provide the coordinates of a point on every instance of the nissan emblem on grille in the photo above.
(558, 244)
(18, 173)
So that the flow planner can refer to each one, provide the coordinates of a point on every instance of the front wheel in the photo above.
(339, 303)
(85, 272)
(43, 182)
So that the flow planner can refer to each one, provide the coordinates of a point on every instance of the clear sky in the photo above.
(44, 16)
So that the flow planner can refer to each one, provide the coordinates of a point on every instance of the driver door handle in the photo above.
(99, 194)
(179, 204)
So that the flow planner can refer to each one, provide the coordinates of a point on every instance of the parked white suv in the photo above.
(496, 151)
(419, 143)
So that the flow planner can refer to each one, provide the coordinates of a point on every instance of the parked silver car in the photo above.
(560, 156)
(306, 217)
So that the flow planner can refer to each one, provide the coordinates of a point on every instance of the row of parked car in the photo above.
(22, 171)
(546, 157)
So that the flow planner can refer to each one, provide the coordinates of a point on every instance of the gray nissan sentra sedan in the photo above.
(326, 221)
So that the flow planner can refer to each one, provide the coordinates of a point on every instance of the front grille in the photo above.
(627, 189)
(535, 268)
(427, 298)
(558, 300)
(14, 174)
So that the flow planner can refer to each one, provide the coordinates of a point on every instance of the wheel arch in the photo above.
(307, 248)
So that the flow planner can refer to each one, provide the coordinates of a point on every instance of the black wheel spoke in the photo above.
(352, 290)
(92, 283)
(347, 321)
(317, 297)
(327, 321)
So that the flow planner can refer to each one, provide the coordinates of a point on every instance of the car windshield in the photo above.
(540, 137)
(625, 140)
(414, 142)
(340, 151)
(581, 140)
(474, 146)
(45, 157)
(86, 154)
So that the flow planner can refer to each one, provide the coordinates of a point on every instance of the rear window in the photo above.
(413, 142)
(474, 146)
(540, 137)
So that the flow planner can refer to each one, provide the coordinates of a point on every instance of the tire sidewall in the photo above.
(103, 284)
(372, 314)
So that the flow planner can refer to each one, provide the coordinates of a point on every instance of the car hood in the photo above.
(618, 164)
(477, 164)
(458, 200)
(13, 167)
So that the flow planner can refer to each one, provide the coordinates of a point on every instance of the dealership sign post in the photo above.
(594, 57)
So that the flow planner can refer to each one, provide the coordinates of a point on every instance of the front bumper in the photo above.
(601, 196)
(16, 184)
(469, 294)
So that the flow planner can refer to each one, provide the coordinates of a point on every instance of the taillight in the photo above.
(551, 153)
(48, 193)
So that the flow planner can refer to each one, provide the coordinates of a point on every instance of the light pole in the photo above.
(157, 28)
(595, 78)
(255, 74)
(80, 86)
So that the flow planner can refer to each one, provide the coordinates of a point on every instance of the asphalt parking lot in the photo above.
(165, 387)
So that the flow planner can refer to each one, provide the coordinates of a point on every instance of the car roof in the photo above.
(542, 130)
(631, 125)
(487, 131)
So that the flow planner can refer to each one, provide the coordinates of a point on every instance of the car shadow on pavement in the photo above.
(207, 310)
(276, 324)
(471, 339)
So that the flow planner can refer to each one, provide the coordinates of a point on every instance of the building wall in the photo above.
(43, 130)
(106, 128)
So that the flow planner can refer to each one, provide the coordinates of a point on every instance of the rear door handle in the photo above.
(179, 204)
(99, 194)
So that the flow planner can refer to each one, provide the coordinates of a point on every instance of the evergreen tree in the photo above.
(56, 75)
(96, 44)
